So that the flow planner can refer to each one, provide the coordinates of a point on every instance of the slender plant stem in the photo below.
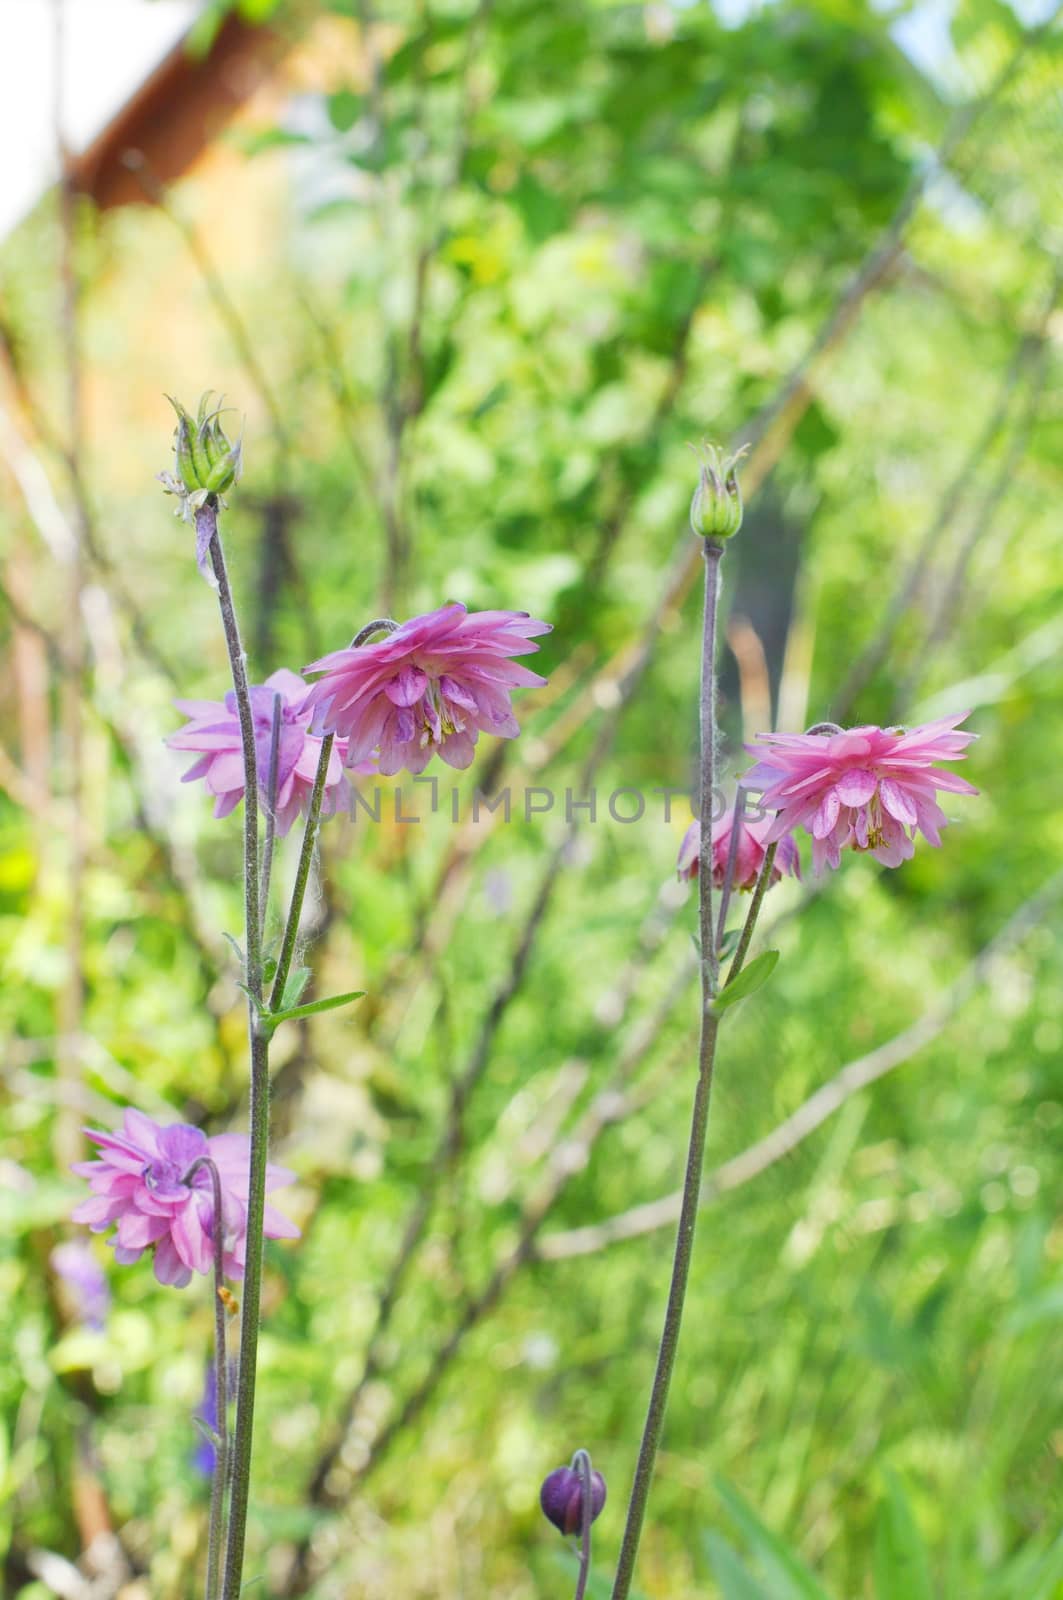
(271, 812)
(729, 870)
(313, 818)
(249, 1318)
(259, 1110)
(302, 874)
(582, 1463)
(707, 788)
(208, 515)
(684, 1244)
(221, 1382)
(763, 879)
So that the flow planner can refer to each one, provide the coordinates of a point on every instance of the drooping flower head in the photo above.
(74, 1262)
(561, 1498)
(433, 685)
(749, 854)
(142, 1183)
(214, 730)
(867, 788)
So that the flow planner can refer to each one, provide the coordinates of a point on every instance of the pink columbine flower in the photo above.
(142, 1183)
(749, 857)
(214, 729)
(434, 684)
(869, 788)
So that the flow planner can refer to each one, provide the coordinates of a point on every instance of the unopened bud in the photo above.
(716, 509)
(206, 461)
(561, 1498)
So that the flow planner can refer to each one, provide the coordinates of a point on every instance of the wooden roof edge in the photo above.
(176, 112)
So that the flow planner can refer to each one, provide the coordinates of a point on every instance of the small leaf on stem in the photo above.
(289, 1015)
(293, 989)
(748, 981)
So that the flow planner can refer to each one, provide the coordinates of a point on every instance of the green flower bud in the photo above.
(206, 460)
(716, 509)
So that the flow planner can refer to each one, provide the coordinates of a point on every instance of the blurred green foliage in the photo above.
(519, 256)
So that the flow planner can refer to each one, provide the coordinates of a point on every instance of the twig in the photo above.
(944, 612)
(1028, 348)
(136, 162)
(858, 1075)
(606, 1107)
(72, 690)
(567, 1157)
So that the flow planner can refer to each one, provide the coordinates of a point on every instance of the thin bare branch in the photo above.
(853, 1078)
(1028, 351)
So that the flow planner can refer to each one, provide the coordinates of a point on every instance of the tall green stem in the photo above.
(707, 789)
(207, 523)
(249, 1317)
(684, 1244)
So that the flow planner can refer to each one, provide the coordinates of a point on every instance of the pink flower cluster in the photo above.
(144, 1183)
(431, 687)
(863, 788)
(213, 730)
(749, 853)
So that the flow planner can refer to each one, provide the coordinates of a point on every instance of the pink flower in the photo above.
(214, 729)
(434, 684)
(749, 857)
(141, 1182)
(870, 788)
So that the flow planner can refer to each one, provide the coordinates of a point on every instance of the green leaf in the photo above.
(229, 940)
(748, 981)
(782, 1569)
(293, 989)
(729, 943)
(736, 1583)
(289, 1015)
(344, 109)
(901, 1568)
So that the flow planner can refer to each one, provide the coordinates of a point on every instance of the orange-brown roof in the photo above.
(178, 110)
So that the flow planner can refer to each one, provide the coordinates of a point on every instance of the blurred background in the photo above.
(476, 273)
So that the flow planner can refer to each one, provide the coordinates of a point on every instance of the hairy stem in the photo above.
(259, 1112)
(252, 1295)
(684, 1244)
(707, 787)
(207, 517)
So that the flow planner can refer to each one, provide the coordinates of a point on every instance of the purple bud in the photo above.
(561, 1498)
